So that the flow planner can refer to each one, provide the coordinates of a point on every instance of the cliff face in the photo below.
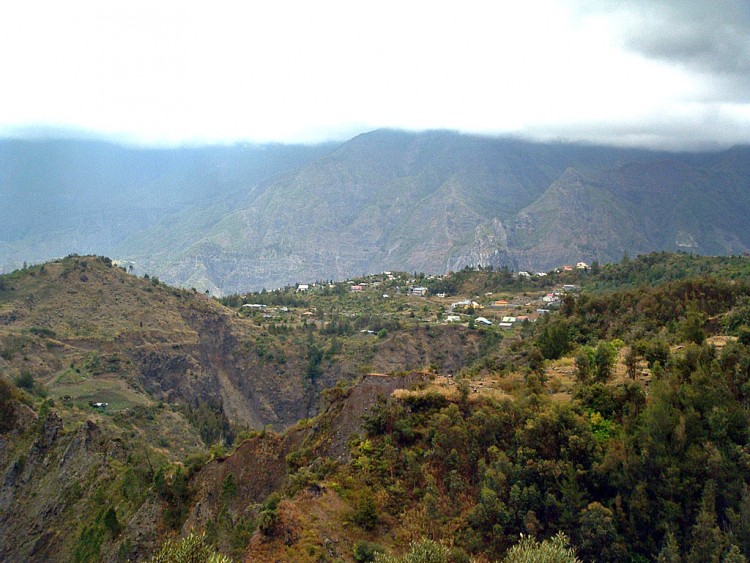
(434, 202)
(233, 219)
(50, 488)
(90, 491)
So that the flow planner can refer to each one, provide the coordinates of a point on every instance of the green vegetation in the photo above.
(553, 550)
(191, 549)
(614, 429)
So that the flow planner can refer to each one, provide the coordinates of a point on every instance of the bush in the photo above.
(8, 396)
(424, 551)
(111, 522)
(25, 381)
(366, 513)
(365, 551)
(269, 515)
(554, 550)
(44, 332)
(191, 549)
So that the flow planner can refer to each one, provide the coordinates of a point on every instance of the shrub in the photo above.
(366, 513)
(25, 381)
(554, 550)
(365, 551)
(191, 549)
(424, 551)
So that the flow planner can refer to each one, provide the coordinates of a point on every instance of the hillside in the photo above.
(239, 218)
(439, 201)
(62, 196)
(119, 373)
(403, 422)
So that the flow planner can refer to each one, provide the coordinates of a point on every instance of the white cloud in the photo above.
(293, 70)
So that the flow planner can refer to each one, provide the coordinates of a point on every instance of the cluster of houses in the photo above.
(549, 302)
(268, 312)
(459, 310)
(566, 268)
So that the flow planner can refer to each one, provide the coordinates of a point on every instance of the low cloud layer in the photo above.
(641, 72)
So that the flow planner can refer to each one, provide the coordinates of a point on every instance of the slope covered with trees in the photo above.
(614, 429)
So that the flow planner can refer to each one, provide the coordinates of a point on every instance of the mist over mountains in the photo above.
(230, 219)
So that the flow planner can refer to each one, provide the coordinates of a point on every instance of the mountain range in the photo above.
(232, 219)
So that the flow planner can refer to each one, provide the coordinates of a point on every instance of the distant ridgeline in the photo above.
(233, 219)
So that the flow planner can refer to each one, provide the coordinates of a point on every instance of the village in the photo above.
(415, 299)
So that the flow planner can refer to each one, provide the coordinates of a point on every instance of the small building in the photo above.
(482, 320)
(358, 288)
(509, 319)
(505, 326)
(419, 291)
(582, 266)
(543, 311)
(500, 303)
(452, 319)
(524, 274)
(570, 287)
(303, 287)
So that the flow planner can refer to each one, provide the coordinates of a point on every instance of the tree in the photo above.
(707, 542)
(554, 340)
(734, 555)
(599, 541)
(691, 327)
(740, 520)
(584, 364)
(670, 553)
(228, 487)
(631, 362)
(366, 513)
(604, 360)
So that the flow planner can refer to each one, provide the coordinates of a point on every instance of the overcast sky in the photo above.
(658, 73)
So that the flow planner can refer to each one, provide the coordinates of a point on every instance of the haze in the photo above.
(669, 75)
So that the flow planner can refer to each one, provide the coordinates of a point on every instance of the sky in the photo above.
(668, 74)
